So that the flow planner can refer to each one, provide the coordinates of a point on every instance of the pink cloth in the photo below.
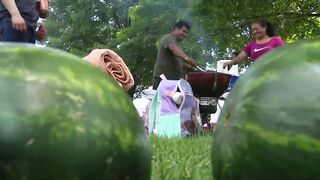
(112, 64)
(255, 50)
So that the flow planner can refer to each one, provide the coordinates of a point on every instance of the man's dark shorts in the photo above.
(8, 34)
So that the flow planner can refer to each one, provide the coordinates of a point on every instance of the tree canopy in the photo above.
(229, 21)
(133, 28)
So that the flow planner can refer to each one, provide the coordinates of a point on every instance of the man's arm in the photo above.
(178, 52)
(18, 22)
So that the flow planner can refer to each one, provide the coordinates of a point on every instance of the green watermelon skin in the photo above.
(269, 128)
(62, 118)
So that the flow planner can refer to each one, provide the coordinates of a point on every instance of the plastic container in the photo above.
(233, 71)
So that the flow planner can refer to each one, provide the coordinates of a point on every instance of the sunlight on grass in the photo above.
(181, 158)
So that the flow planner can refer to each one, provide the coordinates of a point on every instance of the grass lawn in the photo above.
(177, 158)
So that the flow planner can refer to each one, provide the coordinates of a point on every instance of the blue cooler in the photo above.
(233, 80)
(234, 72)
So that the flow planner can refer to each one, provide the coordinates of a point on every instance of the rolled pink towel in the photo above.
(111, 63)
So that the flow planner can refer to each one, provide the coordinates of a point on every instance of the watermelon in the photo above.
(62, 118)
(269, 128)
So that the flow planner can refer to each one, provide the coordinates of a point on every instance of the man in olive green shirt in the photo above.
(171, 58)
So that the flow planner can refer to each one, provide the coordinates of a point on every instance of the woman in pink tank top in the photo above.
(265, 41)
